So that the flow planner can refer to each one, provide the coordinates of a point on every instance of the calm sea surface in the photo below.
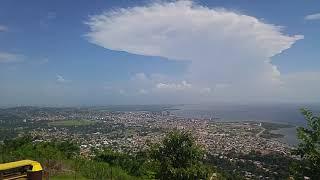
(276, 113)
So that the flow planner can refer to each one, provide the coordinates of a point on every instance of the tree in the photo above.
(179, 157)
(68, 148)
(10, 147)
(132, 163)
(309, 147)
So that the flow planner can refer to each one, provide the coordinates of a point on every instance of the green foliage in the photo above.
(235, 166)
(100, 170)
(179, 157)
(12, 149)
(25, 148)
(134, 164)
(68, 176)
(55, 156)
(308, 148)
(68, 148)
(12, 144)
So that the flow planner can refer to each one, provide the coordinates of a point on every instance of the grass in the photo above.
(71, 123)
(67, 177)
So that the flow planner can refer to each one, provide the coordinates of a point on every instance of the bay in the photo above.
(275, 113)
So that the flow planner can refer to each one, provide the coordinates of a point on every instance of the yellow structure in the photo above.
(11, 165)
(25, 169)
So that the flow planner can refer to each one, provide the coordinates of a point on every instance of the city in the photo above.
(132, 131)
(159, 89)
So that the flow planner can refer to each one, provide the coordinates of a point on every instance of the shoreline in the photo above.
(289, 136)
(283, 132)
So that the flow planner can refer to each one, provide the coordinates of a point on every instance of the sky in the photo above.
(98, 52)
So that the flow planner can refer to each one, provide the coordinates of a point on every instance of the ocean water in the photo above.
(276, 113)
(290, 135)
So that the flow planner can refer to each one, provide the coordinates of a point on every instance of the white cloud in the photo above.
(61, 79)
(140, 77)
(205, 90)
(229, 53)
(10, 58)
(315, 16)
(122, 92)
(303, 86)
(3, 28)
(147, 83)
(142, 91)
(172, 86)
(221, 86)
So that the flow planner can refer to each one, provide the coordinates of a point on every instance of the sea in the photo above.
(275, 113)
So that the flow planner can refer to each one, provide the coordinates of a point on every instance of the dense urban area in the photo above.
(133, 129)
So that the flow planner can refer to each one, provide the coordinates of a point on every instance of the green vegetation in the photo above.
(136, 164)
(176, 157)
(268, 135)
(67, 176)
(236, 166)
(71, 123)
(59, 158)
(309, 148)
(179, 157)
(100, 170)
(273, 126)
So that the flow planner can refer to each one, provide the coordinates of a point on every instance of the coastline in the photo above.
(289, 135)
(285, 118)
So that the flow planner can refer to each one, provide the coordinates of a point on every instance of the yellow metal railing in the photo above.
(25, 169)
(11, 165)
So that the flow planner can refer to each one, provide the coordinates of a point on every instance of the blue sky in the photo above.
(55, 53)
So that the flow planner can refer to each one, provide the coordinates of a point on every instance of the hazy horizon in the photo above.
(295, 104)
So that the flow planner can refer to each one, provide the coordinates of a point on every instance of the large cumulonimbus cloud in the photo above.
(222, 46)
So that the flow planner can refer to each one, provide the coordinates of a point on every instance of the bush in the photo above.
(179, 157)
(308, 148)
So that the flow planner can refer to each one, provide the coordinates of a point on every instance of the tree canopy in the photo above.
(309, 147)
(179, 157)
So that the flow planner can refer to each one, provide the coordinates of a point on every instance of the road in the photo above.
(259, 133)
